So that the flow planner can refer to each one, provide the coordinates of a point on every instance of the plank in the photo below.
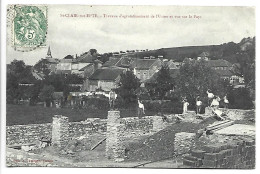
(100, 142)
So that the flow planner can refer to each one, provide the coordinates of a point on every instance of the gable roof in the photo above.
(106, 74)
(85, 67)
(219, 63)
(86, 58)
(143, 63)
(204, 54)
(66, 60)
(111, 62)
(120, 62)
(173, 73)
(124, 62)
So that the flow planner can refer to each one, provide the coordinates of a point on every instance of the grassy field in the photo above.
(21, 114)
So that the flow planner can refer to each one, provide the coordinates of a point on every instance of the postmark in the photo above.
(29, 28)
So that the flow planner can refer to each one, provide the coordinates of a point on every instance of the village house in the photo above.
(224, 69)
(173, 65)
(203, 56)
(64, 66)
(84, 65)
(104, 79)
(144, 69)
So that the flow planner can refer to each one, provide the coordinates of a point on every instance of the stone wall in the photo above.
(233, 114)
(22, 134)
(158, 123)
(184, 142)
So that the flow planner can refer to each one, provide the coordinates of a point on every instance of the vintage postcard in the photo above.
(130, 86)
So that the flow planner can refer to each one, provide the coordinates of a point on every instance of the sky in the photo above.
(76, 35)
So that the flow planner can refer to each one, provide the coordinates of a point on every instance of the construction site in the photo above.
(224, 139)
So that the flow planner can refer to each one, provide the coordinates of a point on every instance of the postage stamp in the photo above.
(29, 27)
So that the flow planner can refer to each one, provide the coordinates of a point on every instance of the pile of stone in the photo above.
(184, 142)
(235, 154)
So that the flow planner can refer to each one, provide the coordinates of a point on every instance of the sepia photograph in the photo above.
(121, 86)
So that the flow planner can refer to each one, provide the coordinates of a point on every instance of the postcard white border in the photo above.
(42, 170)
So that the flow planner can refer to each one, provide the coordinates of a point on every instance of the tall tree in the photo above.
(128, 86)
(196, 78)
(163, 82)
(46, 94)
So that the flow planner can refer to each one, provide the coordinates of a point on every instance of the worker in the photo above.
(185, 106)
(226, 102)
(210, 97)
(198, 105)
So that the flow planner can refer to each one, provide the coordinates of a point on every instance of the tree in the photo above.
(162, 84)
(128, 85)
(245, 66)
(68, 57)
(196, 78)
(11, 88)
(46, 94)
(41, 66)
(93, 52)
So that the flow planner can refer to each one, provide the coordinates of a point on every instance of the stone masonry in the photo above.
(184, 142)
(115, 129)
(158, 123)
(60, 130)
(236, 154)
(233, 114)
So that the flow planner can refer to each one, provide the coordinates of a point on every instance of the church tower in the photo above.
(49, 53)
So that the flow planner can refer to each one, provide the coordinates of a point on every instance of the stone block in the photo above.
(212, 148)
(189, 163)
(189, 157)
(198, 153)
(211, 156)
(209, 163)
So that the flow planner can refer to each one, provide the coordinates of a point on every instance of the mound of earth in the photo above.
(161, 144)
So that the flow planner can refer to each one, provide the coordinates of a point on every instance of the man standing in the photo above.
(226, 102)
(185, 106)
(210, 97)
(112, 98)
(198, 105)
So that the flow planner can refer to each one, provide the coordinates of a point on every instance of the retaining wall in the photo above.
(233, 114)
(22, 134)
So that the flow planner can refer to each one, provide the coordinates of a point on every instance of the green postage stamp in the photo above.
(29, 26)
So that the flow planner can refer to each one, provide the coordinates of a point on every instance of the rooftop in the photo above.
(143, 63)
(106, 74)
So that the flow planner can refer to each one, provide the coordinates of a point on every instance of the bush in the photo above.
(240, 99)
(170, 107)
(98, 103)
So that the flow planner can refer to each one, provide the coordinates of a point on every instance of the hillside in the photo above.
(225, 51)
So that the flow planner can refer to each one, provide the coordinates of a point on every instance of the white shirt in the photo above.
(210, 95)
(199, 103)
